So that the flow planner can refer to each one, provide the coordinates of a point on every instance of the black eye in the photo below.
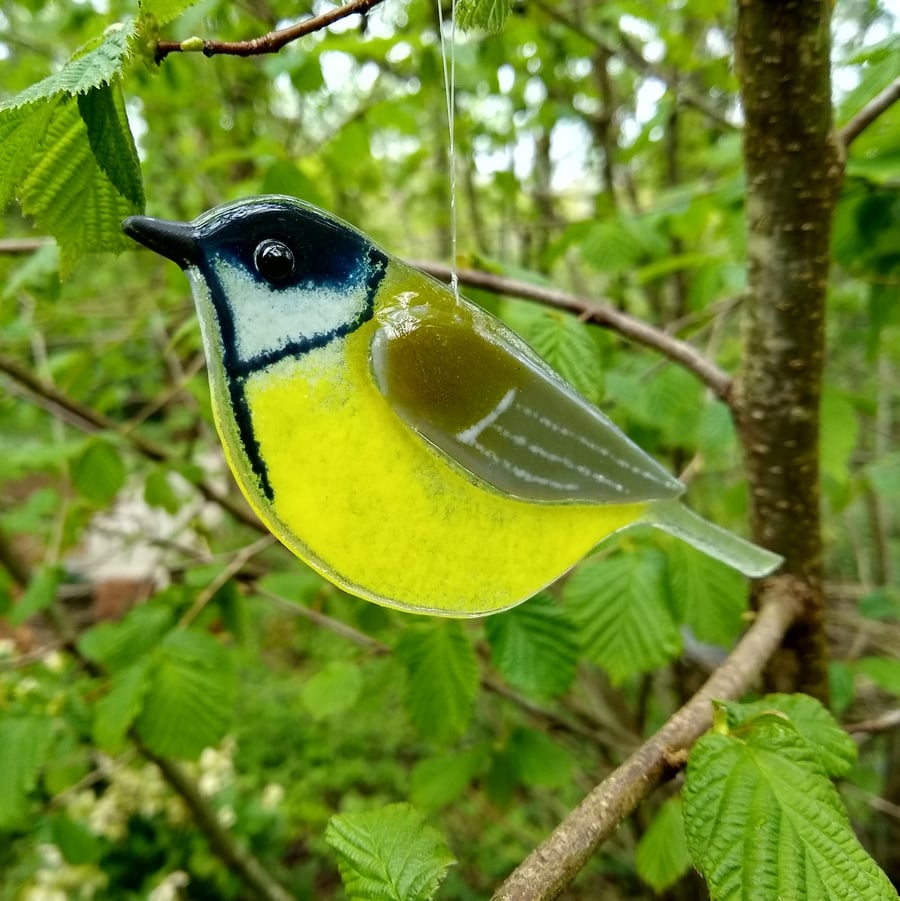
(274, 260)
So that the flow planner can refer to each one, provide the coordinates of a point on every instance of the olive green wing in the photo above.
(468, 385)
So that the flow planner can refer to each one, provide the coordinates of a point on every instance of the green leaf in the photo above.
(334, 689)
(661, 857)
(116, 646)
(762, 819)
(388, 854)
(537, 760)
(441, 678)
(165, 10)
(103, 112)
(619, 605)
(439, 781)
(841, 686)
(840, 429)
(117, 710)
(567, 345)
(158, 491)
(98, 471)
(21, 130)
(38, 595)
(534, 646)
(188, 705)
(24, 743)
(76, 842)
(707, 595)
(883, 671)
(835, 748)
(95, 64)
(671, 400)
(488, 15)
(68, 193)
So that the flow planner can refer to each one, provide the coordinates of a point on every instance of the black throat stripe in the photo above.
(237, 371)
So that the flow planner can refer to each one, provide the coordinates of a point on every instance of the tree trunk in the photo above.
(794, 166)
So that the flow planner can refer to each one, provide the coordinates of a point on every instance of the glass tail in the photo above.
(673, 517)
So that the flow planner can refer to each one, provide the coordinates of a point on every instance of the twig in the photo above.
(267, 43)
(869, 113)
(89, 420)
(235, 565)
(884, 723)
(635, 329)
(223, 843)
(23, 245)
(553, 864)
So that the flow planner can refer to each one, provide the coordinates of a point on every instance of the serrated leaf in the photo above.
(118, 708)
(21, 130)
(103, 113)
(117, 646)
(619, 245)
(97, 63)
(488, 15)
(39, 594)
(619, 605)
(441, 678)
(671, 400)
(534, 646)
(661, 857)
(68, 193)
(98, 471)
(388, 854)
(537, 760)
(835, 748)
(707, 595)
(334, 689)
(24, 743)
(188, 705)
(566, 344)
(439, 781)
(762, 819)
(165, 10)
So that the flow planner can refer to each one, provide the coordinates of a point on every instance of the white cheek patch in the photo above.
(267, 319)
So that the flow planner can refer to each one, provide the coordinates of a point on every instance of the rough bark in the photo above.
(794, 168)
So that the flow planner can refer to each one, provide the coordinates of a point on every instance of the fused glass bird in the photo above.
(402, 441)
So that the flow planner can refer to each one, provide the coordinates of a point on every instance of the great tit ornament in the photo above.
(399, 439)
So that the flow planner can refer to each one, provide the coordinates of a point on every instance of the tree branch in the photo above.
(89, 420)
(553, 864)
(266, 43)
(869, 113)
(229, 851)
(603, 314)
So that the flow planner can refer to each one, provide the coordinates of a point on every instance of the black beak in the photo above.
(174, 240)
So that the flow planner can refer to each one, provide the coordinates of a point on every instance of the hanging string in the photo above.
(450, 92)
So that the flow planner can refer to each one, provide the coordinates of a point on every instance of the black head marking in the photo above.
(284, 242)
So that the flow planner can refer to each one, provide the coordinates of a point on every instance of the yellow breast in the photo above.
(372, 507)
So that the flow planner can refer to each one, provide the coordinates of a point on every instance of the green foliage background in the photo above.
(291, 702)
